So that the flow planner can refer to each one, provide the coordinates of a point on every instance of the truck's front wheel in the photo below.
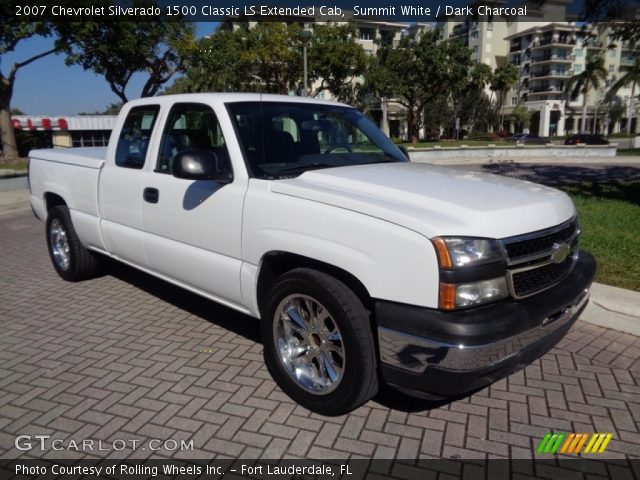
(318, 343)
(71, 260)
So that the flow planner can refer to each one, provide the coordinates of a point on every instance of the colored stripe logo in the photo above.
(573, 443)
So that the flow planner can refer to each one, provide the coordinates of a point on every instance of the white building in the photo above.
(547, 53)
(68, 131)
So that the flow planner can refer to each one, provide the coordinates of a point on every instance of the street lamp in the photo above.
(304, 36)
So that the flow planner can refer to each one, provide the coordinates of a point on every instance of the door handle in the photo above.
(151, 195)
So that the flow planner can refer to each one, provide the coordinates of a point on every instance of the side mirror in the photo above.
(404, 150)
(200, 165)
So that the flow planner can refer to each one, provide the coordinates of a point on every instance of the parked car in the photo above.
(586, 139)
(527, 138)
(362, 266)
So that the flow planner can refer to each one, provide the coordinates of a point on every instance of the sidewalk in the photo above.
(14, 200)
(610, 307)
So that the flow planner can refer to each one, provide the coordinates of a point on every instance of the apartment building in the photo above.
(547, 57)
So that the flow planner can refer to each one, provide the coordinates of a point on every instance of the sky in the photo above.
(49, 87)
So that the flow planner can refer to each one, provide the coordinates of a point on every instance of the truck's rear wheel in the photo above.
(318, 343)
(71, 260)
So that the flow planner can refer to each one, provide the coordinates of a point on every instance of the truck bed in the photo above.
(73, 174)
(90, 157)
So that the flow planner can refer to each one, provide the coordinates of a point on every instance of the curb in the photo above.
(10, 173)
(614, 308)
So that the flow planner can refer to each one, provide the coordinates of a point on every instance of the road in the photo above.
(554, 175)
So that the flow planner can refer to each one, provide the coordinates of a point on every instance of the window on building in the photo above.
(386, 38)
(514, 100)
(90, 138)
(578, 52)
(612, 68)
(475, 49)
(366, 34)
(577, 68)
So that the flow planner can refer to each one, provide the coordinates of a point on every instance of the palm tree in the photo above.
(480, 76)
(504, 78)
(593, 73)
(631, 77)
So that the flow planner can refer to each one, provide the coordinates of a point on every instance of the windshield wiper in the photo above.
(303, 168)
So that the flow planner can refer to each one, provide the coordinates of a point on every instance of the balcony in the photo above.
(460, 29)
(594, 45)
(554, 58)
(557, 42)
(544, 89)
(552, 73)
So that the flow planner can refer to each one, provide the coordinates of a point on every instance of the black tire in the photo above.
(80, 264)
(359, 380)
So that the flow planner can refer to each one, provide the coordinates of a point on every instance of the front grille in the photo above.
(532, 267)
(531, 281)
(541, 242)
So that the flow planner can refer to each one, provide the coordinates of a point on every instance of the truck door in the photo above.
(193, 227)
(120, 189)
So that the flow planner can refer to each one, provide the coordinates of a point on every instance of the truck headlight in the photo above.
(454, 252)
(472, 271)
(453, 296)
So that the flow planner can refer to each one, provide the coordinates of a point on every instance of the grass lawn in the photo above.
(628, 151)
(21, 164)
(610, 218)
(457, 143)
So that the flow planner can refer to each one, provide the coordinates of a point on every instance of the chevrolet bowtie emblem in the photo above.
(559, 252)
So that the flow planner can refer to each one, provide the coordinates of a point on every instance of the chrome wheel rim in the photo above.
(59, 244)
(309, 344)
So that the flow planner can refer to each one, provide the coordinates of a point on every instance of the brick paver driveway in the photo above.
(128, 357)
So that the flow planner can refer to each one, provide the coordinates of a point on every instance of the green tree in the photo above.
(268, 57)
(613, 110)
(521, 116)
(111, 109)
(216, 65)
(336, 60)
(504, 79)
(475, 110)
(11, 34)
(118, 50)
(272, 53)
(614, 14)
(581, 83)
(480, 76)
(421, 70)
(631, 76)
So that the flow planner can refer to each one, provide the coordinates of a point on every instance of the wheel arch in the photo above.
(276, 263)
(52, 200)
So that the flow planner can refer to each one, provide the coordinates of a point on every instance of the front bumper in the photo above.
(435, 354)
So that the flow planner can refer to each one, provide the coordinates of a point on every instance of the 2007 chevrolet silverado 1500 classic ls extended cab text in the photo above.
(362, 266)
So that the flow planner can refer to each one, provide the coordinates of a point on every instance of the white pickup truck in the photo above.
(362, 267)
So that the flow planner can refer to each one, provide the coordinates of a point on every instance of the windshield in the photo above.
(282, 140)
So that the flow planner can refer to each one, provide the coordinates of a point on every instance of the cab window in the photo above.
(134, 137)
(192, 127)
